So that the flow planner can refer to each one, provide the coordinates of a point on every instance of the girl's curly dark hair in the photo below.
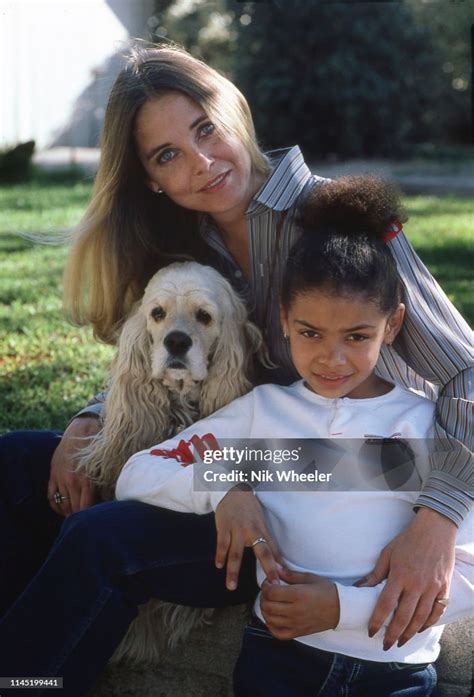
(342, 249)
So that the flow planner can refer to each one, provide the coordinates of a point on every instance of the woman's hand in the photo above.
(239, 522)
(309, 604)
(77, 487)
(419, 564)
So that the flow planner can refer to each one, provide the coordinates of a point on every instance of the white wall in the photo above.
(53, 65)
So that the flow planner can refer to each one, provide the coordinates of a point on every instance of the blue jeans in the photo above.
(269, 667)
(105, 562)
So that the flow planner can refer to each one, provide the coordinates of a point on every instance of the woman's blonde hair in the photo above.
(127, 232)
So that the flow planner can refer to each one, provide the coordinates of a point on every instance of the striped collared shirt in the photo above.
(433, 352)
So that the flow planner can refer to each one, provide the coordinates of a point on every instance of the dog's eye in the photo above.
(158, 314)
(203, 317)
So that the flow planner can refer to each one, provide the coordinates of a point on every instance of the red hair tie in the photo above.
(392, 231)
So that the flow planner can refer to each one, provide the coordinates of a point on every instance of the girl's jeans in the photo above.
(269, 667)
(105, 562)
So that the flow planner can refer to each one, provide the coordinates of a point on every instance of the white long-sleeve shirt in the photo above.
(336, 534)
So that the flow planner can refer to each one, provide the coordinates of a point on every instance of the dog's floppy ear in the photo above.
(132, 387)
(133, 357)
(137, 408)
(229, 373)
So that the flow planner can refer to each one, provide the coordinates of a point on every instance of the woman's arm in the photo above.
(311, 603)
(63, 477)
(78, 489)
(95, 407)
(356, 604)
(419, 564)
(435, 342)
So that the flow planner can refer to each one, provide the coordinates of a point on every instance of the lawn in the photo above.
(49, 369)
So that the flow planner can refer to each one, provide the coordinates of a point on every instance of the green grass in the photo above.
(442, 232)
(41, 207)
(48, 369)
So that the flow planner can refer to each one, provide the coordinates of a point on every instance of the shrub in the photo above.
(15, 163)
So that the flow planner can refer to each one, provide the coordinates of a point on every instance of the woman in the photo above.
(181, 175)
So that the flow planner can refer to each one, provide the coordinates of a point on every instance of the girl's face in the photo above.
(184, 155)
(335, 342)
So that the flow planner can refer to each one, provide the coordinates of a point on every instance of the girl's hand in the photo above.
(309, 604)
(239, 522)
(419, 564)
(77, 488)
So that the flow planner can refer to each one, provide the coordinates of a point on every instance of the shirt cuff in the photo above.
(216, 497)
(446, 495)
(356, 605)
(91, 410)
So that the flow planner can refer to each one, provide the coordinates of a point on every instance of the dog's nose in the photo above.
(177, 343)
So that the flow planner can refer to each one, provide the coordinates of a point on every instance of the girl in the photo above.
(181, 174)
(340, 303)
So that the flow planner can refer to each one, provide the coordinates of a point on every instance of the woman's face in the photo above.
(184, 155)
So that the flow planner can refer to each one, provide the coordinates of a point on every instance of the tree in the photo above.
(450, 25)
(348, 78)
(206, 29)
(340, 78)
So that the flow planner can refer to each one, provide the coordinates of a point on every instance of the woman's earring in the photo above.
(285, 336)
(159, 191)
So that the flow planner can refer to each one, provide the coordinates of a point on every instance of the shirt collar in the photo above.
(280, 190)
(287, 179)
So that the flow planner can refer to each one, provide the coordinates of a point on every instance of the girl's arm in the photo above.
(163, 476)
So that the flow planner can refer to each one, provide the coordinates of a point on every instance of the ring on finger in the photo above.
(442, 601)
(59, 498)
(258, 541)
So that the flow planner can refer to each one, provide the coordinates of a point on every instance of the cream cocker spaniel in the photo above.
(186, 350)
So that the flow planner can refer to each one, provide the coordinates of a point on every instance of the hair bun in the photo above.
(353, 205)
